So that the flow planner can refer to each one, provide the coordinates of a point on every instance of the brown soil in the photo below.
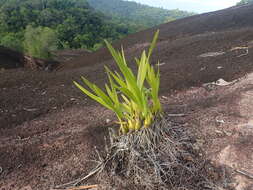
(48, 129)
(222, 117)
(64, 56)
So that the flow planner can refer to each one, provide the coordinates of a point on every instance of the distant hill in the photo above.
(135, 14)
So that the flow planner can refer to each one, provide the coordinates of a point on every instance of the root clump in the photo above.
(163, 156)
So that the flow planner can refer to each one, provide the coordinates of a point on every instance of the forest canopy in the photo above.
(135, 14)
(74, 23)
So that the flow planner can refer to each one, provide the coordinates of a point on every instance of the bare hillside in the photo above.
(48, 129)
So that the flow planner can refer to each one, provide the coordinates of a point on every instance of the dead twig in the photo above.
(30, 110)
(96, 170)
(245, 174)
(241, 48)
(59, 187)
(80, 187)
(246, 53)
(177, 115)
(77, 181)
(84, 187)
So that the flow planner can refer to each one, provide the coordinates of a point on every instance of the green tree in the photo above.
(78, 24)
(40, 41)
(11, 40)
(132, 13)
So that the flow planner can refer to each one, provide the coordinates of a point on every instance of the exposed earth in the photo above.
(48, 129)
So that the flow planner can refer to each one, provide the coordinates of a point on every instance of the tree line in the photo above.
(38, 27)
(25, 24)
(136, 15)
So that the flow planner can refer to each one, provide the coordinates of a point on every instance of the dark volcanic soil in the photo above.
(10, 59)
(45, 120)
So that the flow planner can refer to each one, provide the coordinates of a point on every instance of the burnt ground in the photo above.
(48, 129)
(10, 59)
(222, 119)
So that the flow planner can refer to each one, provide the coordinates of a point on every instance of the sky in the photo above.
(199, 6)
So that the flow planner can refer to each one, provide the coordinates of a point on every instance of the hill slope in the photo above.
(228, 20)
(180, 45)
(135, 14)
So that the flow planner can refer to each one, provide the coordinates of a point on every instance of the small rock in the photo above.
(26, 188)
(228, 133)
(219, 132)
(188, 158)
(160, 64)
(220, 121)
(30, 109)
(164, 97)
(211, 54)
(222, 82)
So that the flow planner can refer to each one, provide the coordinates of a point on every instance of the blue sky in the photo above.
(199, 6)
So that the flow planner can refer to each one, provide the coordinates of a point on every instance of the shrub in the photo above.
(134, 99)
(12, 41)
(40, 42)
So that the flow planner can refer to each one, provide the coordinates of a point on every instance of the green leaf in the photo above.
(127, 94)
(94, 97)
(152, 46)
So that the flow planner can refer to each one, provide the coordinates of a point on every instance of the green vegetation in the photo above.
(136, 15)
(243, 2)
(12, 40)
(74, 23)
(40, 42)
(134, 99)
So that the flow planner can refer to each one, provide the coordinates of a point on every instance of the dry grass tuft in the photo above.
(160, 157)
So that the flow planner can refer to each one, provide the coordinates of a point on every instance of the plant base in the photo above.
(163, 156)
